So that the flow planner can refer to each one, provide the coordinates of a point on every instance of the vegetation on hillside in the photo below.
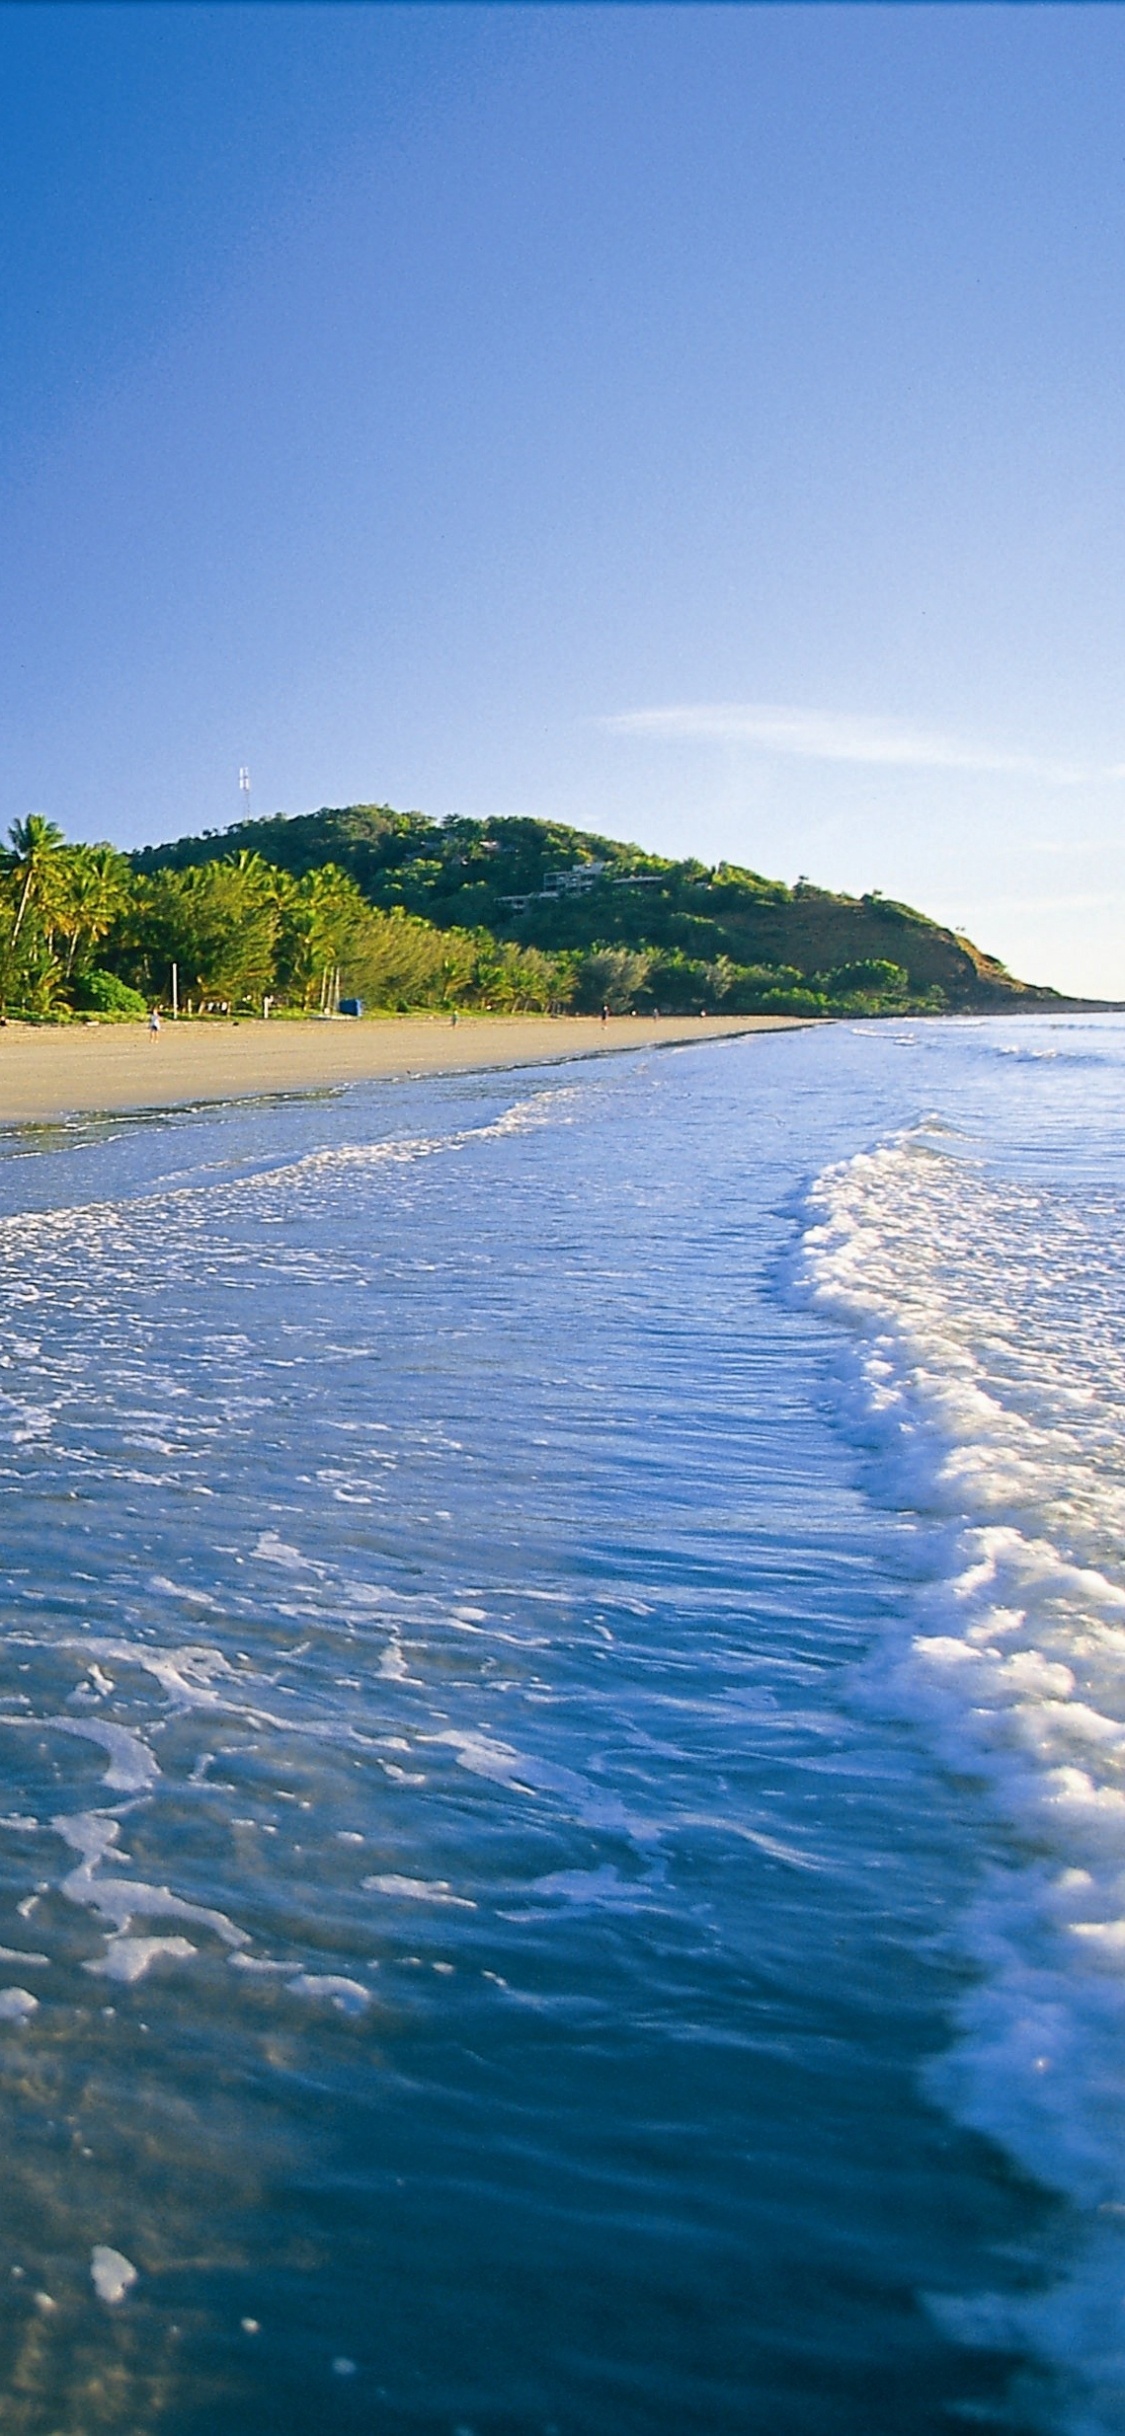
(622, 927)
(405, 912)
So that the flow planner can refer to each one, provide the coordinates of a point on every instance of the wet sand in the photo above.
(79, 1069)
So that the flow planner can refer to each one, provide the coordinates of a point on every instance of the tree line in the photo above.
(84, 931)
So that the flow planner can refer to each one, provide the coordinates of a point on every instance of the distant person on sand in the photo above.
(605, 1014)
(154, 1024)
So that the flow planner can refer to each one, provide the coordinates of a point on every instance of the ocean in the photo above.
(562, 1826)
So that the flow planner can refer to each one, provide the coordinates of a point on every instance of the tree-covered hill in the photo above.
(399, 912)
(658, 932)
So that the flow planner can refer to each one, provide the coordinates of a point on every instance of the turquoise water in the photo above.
(525, 1908)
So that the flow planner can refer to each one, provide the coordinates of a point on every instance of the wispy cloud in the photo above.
(815, 735)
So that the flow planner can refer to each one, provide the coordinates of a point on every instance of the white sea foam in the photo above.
(111, 1240)
(111, 2273)
(483, 1756)
(17, 2004)
(128, 1958)
(988, 1330)
(344, 1157)
(329, 1988)
(93, 1834)
(132, 1766)
(418, 1890)
(186, 1676)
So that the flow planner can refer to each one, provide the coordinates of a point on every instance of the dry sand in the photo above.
(79, 1069)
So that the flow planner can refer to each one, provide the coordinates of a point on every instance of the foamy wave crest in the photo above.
(522, 1117)
(988, 1334)
(109, 1228)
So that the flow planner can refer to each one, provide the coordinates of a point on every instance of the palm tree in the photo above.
(95, 890)
(322, 917)
(37, 849)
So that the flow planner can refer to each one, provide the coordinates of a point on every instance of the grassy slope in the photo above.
(465, 872)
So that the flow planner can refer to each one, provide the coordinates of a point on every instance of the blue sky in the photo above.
(698, 424)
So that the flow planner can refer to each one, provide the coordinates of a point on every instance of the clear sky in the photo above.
(698, 424)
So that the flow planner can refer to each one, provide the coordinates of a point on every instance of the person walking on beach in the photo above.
(154, 1024)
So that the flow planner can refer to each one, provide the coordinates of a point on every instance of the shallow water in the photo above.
(561, 1713)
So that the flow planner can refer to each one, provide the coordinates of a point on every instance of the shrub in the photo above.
(98, 993)
(873, 977)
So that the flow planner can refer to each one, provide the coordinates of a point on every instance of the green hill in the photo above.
(658, 932)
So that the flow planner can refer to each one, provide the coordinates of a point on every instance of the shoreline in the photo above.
(49, 1072)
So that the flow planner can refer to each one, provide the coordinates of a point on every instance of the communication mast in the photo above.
(244, 791)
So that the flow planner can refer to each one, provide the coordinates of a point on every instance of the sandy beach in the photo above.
(79, 1069)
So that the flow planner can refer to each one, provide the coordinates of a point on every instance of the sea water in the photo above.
(562, 1750)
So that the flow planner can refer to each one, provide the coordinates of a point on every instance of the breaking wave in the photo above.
(985, 1376)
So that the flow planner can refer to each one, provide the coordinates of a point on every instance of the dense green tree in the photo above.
(217, 923)
(326, 933)
(518, 980)
(36, 862)
(611, 977)
(405, 962)
(94, 886)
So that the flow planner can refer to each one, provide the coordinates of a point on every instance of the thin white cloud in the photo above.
(815, 735)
